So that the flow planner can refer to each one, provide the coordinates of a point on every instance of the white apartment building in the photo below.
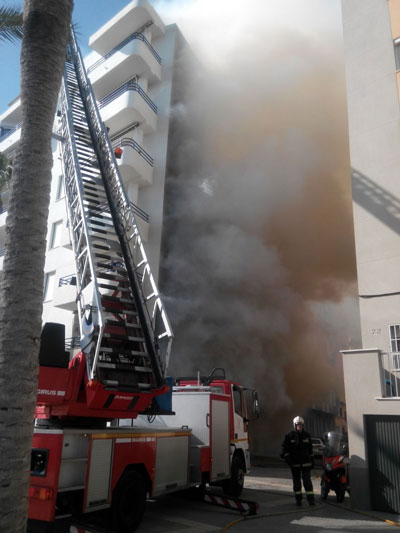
(131, 69)
(371, 374)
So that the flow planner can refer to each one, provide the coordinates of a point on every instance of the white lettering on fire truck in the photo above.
(123, 398)
(48, 392)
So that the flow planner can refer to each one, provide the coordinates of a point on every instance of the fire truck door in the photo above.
(98, 487)
(220, 467)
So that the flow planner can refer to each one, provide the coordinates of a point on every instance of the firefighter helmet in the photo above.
(297, 420)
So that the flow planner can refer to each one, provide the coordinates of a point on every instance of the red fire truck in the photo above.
(110, 427)
(202, 440)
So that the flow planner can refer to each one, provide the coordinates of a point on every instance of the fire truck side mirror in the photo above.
(252, 404)
(256, 405)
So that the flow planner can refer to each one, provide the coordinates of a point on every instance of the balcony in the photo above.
(127, 104)
(9, 140)
(65, 293)
(135, 55)
(134, 163)
(13, 114)
(135, 16)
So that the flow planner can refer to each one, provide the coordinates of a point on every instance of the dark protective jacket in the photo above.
(297, 449)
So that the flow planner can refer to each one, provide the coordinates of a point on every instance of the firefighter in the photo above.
(298, 453)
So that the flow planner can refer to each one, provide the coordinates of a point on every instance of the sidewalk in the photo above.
(271, 487)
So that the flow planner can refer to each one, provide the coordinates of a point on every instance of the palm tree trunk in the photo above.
(45, 35)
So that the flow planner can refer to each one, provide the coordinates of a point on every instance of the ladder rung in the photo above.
(114, 288)
(127, 312)
(92, 188)
(122, 323)
(113, 268)
(122, 337)
(104, 236)
(125, 366)
(108, 297)
(116, 351)
(110, 255)
(110, 276)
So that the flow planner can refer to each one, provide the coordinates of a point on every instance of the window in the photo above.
(396, 43)
(55, 236)
(49, 280)
(237, 400)
(60, 188)
(394, 332)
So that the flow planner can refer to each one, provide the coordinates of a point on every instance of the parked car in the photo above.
(318, 446)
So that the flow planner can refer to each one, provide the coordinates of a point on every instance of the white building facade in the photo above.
(372, 57)
(131, 70)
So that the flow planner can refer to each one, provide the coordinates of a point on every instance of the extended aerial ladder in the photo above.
(125, 334)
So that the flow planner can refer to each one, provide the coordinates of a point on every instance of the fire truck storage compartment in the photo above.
(99, 475)
(172, 462)
(74, 457)
(206, 414)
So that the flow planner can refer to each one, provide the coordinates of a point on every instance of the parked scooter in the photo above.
(335, 476)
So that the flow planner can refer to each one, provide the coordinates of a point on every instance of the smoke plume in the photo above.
(259, 267)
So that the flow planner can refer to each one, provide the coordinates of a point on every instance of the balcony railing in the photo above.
(9, 132)
(130, 85)
(131, 37)
(140, 213)
(126, 141)
(67, 280)
(391, 374)
(16, 128)
(72, 342)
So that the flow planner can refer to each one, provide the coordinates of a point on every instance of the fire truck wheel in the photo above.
(234, 485)
(129, 502)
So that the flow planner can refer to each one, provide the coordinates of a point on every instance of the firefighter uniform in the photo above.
(298, 453)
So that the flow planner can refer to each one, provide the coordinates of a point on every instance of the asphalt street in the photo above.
(271, 488)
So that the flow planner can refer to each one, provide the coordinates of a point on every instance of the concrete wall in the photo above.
(374, 127)
(151, 199)
(374, 132)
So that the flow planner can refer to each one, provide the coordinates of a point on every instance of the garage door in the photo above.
(383, 449)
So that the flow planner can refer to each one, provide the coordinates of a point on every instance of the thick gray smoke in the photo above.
(259, 260)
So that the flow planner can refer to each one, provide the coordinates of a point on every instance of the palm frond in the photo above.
(10, 24)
